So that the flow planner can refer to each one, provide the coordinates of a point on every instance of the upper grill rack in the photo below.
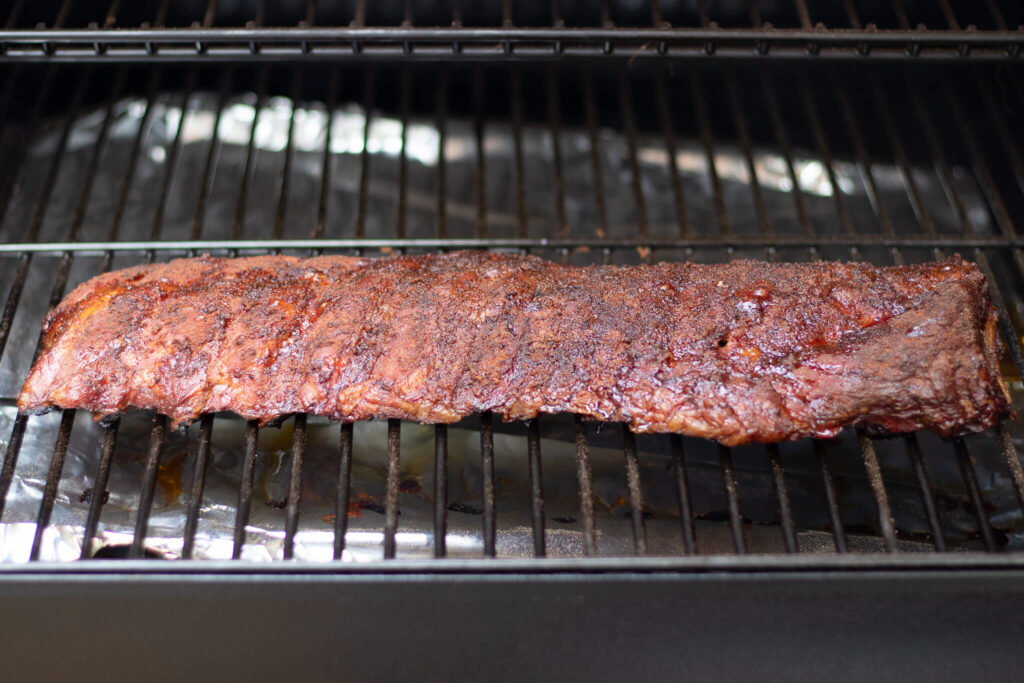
(502, 30)
(998, 254)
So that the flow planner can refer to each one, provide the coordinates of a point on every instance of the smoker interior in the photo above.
(500, 139)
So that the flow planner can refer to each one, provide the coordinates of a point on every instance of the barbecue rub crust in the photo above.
(737, 352)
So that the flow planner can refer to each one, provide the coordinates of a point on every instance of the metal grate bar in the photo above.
(732, 499)
(403, 157)
(590, 112)
(62, 14)
(516, 106)
(129, 176)
(11, 458)
(818, 131)
(98, 492)
(325, 164)
(947, 13)
(344, 486)
(626, 105)
(782, 139)
(242, 202)
(487, 471)
(555, 123)
(481, 154)
(360, 14)
(195, 500)
(683, 493)
(851, 13)
(895, 143)
(172, 160)
(831, 499)
(244, 505)
(927, 499)
(668, 133)
(14, 14)
(743, 133)
(942, 165)
(505, 40)
(636, 494)
(963, 459)
(94, 158)
(60, 449)
(111, 18)
(391, 491)
(864, 161)
(874, 472)
(364, 155)
(295, 486)
(586, 483)
(442, 189)
(782, 493)
(440, 489)
(700, 111)
(211, 153)
(997, 15)
(148, 487)
(536, 487)
(901, 14)
(805, 16)
(281, 210)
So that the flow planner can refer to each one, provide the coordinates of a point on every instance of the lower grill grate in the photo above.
(583, 165)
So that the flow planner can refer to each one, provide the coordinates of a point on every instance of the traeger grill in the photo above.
(611, 132)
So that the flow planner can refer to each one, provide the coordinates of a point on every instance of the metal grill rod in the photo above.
(98, 494)
(874, 472)
(732, 499)
(683, 492)
(60, 449)
(148, 486)
(245, 490)
(195, 499)
(344, 486)
(636, 496)
(391, 490)
(785, 513)
(536, 486)
(487, 471)
(963, 458)
(440, 489)
(294, 485)
(668, 134)
(927, 499)
(586, 484)
(831, 499)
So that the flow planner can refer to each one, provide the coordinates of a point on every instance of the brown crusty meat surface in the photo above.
(737, 352)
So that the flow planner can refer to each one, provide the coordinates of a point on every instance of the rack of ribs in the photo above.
(738, 352)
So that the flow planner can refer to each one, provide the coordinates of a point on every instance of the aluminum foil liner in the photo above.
(215, 214)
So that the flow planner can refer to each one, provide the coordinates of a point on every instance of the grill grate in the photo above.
(750, 119)
(256, 29)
